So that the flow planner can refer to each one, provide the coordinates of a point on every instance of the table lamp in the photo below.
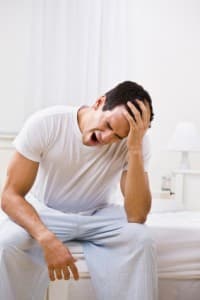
(185, 139)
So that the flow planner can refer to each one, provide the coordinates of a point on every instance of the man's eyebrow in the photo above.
(118, 136)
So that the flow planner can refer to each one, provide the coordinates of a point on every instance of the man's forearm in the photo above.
(25, 215)
(137, 193)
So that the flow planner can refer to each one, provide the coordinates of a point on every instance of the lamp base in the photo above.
(184, 163)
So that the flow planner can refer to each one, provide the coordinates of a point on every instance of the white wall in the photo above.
(165, 59)
(163, 55)
(6, 151)
(14, 49)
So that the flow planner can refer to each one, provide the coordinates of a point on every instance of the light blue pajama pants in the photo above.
(121, 256)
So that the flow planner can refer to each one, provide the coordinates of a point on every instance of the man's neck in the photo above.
(82, 116)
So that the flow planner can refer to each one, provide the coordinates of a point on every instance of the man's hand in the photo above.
(59, 260)
(139, 127)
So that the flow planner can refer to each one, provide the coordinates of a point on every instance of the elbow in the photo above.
(5, 203)
(139, 220)
(139, 216)
(136, 216)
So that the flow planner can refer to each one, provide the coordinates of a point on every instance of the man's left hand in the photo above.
(139, 126)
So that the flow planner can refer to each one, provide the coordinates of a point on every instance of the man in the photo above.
(57, 189)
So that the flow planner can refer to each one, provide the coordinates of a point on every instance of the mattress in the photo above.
(177, 237)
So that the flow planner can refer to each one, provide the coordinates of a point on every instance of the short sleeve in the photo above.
(31, 141)
(146, 153)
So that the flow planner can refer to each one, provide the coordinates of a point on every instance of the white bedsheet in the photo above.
(177, 236)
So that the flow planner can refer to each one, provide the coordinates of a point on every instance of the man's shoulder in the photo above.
(50, 115)
(55, 110)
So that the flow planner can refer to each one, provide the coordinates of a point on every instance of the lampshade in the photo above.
(185, 138)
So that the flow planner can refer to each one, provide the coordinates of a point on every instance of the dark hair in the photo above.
(127, 91)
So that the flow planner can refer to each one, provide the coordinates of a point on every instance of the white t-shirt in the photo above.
(71, 177)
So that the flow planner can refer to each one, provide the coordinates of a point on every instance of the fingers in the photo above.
(63, 272)
(145, 112)
(130, 119)
(74, 271)
(136, 113)
(51, 274)
(58, 273)
(142, 120)
(66, 273)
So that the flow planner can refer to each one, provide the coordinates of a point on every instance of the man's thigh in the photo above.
(63, 225)
(105, 223)
(109, 226)
(11, 234)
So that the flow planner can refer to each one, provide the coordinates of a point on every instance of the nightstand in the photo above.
(187, 188)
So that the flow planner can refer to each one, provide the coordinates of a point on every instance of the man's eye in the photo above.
(108, 125)
(116, 135)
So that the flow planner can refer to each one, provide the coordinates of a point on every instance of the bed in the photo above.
(177, 236)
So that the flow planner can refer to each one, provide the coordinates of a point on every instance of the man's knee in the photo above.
(137, 235)
(12, 235)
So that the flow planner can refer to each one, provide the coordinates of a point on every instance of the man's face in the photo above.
(105, 127)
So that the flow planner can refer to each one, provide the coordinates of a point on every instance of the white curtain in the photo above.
(78, 50)
(75, 51)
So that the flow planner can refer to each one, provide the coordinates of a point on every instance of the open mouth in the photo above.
(94, 138)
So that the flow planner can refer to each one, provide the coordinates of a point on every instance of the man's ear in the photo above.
(99, 102)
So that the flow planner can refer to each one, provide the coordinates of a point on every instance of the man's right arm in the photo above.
(20, 178)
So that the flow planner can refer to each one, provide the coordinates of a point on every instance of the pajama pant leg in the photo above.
(121, 257)
(22, 277)
(23, 272)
